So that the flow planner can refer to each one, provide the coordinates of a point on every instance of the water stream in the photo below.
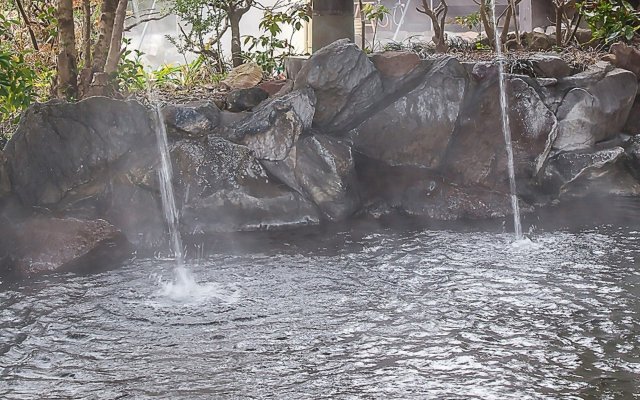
(183, 281)
(506, 128)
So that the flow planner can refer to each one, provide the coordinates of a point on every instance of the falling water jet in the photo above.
(183, 278)
(506, 129)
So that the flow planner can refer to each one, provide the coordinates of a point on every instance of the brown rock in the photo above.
(395, 63)
(273, 87)
(626, 57)
(244, 76)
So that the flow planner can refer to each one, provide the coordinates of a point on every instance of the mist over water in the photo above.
(402, 314)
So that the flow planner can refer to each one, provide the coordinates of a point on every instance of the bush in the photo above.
(611, 20)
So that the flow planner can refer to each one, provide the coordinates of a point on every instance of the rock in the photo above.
(245, 99)
(549, 66)
(583, 174)
(274, 87)
(322, 169)
(346, 84)
(395, 64)
(632, 126)
(236, 210)
(476, 155)
(293, 65)
(626, 57)
(595, 108)
(42, 245)
(483, 70)
(632, 151)
(69, 151)
(416, 128)
(243, 76)
(191, 120)
(202, 168)
(583, 35)
(274, 127)
(537, 41)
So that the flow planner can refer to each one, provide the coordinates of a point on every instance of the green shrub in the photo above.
(611, 20)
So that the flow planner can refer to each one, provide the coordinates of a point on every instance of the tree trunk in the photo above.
(115, 49)
(363, 27)
(67, 85)
(86, 33)
(236, 47)
(559, 12)
(101, 49)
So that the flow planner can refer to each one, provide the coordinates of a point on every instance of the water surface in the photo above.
(392, 314)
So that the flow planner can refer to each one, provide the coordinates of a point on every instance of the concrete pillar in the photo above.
(332, 20)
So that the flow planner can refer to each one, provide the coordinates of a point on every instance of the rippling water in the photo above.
(407, 315)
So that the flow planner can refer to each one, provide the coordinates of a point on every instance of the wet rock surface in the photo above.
(191, 120)
(417, 127)
(322, 169)
(275, 126)
(245, 99)
(42, 244)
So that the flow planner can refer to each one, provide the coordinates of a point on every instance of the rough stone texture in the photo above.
(537, 41)
(632, 126)
(581, 174)
(395, 63)
(322, 169)
(274, 87)
(477, 155)
(202, 168)
(191, 120)
(245, 99)
(243, 76)
(275, 126)
(5, 184)
(626, 57)
(549, 66)
(345, 81)
(632, 151)
(236, 210)
(42, 245)
(594, 109)
(68, 151)
(417, 127)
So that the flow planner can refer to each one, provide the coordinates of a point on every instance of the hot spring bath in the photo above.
(389, 314)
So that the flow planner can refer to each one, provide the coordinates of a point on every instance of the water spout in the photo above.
(165, 174)
(506, 128)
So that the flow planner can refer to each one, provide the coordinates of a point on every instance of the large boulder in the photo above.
(69, 151)
(5, 183)
(416, 128)
(274, 127)
(583, 174)
(245, 99)
(346, 83)
(322, 169)
(549, 66)
(43, 244)
(591, 106)
(191, 120)
(477, 152)
(248, 209)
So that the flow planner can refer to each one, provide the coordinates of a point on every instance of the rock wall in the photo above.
(352, 136)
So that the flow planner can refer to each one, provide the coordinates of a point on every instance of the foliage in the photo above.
(611, 20)
(471, 21)
(269, 50)
(131, 76)
(374, 13)
(17, 77)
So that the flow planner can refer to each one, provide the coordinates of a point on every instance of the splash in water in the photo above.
(506, 129)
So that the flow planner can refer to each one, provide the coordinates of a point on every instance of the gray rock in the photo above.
(417, 127)
(275, 126)
(245, 99)
(191, 120)
(40, 245)
(596, 108)
(583, 174)
(632, 126)
(549, 66)
(322, 169)
(476, 155)
(68, 151)
(5, 183)
(237, 210)
(346, 84)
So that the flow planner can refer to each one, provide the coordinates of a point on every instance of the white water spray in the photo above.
(506, 129)
(183, 279)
